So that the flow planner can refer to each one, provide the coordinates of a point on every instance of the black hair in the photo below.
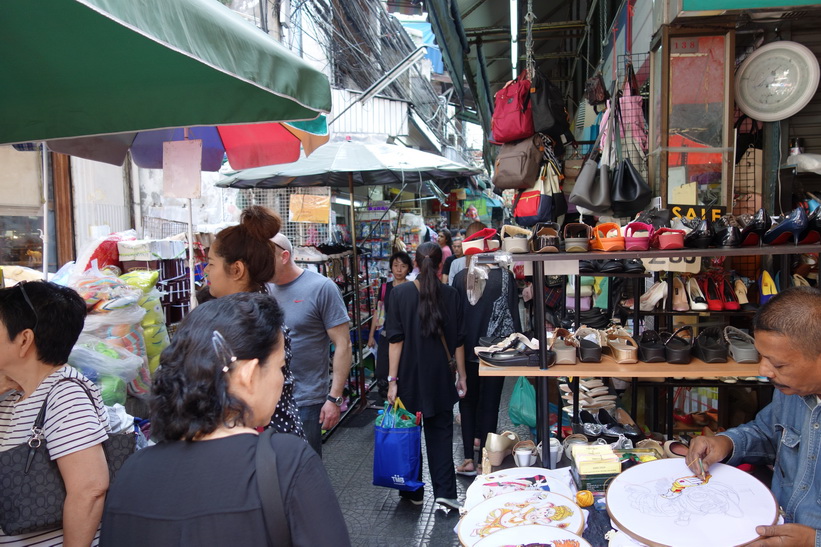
(250, 242)
(796, 313)
(190, 394)
(404, 257)
(431, 318)
(448, 237)
(57, 318)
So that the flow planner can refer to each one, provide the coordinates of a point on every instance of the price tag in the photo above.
(684, 264)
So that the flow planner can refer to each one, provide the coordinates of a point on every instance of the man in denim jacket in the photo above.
(787, 433)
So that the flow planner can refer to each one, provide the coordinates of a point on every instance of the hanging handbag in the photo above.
(630, 193)
(512, 119)
(549, 113)
(536, 205)
(517, 165)
(397, 449)
(33, 492)
(595, 91)
(380, 308)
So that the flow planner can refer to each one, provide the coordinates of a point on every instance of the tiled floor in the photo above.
(375, 515)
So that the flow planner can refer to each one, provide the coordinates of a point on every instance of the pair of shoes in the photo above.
(638, 236)
(607, 237)
(622, 346)
(500, 446)
(701, 236)
(741, 346)
(741, 295)
(677, 348)
(467, 469)
(766, 287)
(753, 230)
(680, 300)
(793, 227)
(651, 348)
(521, 354)
(546, 238)
(652, 445)
(727, 232)
(667, 239)
(416, 497)
(657, 293)
(695, 295)
(577, 237)
(589, 345)
(515, 239)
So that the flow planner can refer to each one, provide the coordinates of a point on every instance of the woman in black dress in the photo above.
(423, 317)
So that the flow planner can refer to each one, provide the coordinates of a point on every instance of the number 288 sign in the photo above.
(683, 264)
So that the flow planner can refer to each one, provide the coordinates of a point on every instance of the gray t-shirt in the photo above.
(455, 267)
(312, 305)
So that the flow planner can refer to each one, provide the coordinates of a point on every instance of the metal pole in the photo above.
(542, 394)
(44, 235)
(355, 273)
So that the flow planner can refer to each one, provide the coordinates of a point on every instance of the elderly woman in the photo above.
(219, 381)
(40, 324)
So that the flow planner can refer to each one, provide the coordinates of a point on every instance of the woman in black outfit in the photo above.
(200, 484)
(494, 314)
(421, 314)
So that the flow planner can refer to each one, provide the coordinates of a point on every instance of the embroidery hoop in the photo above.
(530, 533)
(556, 481)
(755, 502)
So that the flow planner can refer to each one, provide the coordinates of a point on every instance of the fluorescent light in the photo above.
(345, 201)
(514, 37)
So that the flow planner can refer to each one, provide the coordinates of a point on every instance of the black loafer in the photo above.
(633, 265)
(611, 266)
(710, 346)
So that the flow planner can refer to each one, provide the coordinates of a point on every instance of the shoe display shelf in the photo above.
(696, 370)
(350, 272)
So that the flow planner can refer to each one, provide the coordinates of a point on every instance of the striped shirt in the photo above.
(72, 424)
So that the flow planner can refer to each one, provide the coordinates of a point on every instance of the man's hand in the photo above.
(371, 341)
(710, 449)
(329, 415)
(784, 535)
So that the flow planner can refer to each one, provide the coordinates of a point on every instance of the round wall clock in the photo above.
(776, 81)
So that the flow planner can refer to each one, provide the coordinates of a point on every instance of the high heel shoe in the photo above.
(710, 288)
(500, 446)
(766, 287)
(728, 297)
(658, 292)
(697, 300)
(727, 233)
(701, 236)
(753, 232)
(740, 290)
(680, 302)
(794, 225)
(812, 233)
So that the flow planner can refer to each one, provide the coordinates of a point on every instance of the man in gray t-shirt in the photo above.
(316, 315)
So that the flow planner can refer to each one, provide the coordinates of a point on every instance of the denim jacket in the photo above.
(787, 435)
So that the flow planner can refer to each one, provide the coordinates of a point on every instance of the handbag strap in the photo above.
(273, 511)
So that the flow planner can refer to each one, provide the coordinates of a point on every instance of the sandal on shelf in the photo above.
(678, 349)
(637, 236)
(622, 346)
(563, 344)
(546, 238)
(577, 237)
(652, 445)
(506, 343)
(500, 446)
(607, 237)
(742, 346)
(589, 348)
(667, 238)
(520, 355)
(515, 239)
(463, 469)
(710, 346)
(651, 348)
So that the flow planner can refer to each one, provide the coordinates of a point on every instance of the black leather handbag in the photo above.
(630, 193)
(31, 487)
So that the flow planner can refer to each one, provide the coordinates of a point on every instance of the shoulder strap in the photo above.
(268, 485)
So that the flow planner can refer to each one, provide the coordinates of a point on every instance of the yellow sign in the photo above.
(309, 208)
(697, 211)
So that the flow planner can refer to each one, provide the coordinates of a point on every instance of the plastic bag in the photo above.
(397, 455)
(102, 292)
(397, 416)
(94, 356)
(145, 280)
(522, 409)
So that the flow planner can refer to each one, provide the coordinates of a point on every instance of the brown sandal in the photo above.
(463, 469)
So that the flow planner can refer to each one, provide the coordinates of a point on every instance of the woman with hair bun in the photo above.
(423, 318)
(203, 483)
(241, 259)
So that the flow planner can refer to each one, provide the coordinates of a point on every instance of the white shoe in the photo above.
(649, 299)
(697, 300)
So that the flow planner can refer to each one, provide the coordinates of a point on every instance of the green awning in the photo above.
(90, 67)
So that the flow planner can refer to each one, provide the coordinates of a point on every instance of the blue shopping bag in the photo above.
(397, 453)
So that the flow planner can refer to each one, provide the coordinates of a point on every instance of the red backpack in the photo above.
(512, 117)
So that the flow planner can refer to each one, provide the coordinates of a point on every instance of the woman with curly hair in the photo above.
(241, 259)
(202, 483)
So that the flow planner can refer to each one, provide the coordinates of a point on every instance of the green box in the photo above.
(593, 482)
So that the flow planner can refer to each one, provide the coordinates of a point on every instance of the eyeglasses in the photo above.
(224, 352)
(22, 284)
